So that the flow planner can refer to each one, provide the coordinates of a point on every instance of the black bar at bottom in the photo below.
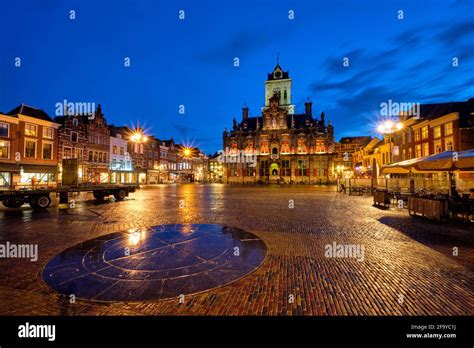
(242, 330)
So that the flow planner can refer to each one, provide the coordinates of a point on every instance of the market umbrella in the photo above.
(403, 167)
(447, 161)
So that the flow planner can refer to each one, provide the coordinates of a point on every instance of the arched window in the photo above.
(275, 151)
(285, 95)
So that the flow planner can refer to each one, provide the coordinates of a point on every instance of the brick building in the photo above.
(345, 149)
(279, 145)
(440, 127)
(28, 148)
(87, 138)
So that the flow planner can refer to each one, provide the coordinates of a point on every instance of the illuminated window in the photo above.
(4, 149)
(448, 128)
(449, 145)
(320, 146)
(285, 147)
(417, 135)
(424, 132)
(67, 152)
(301, 170)
(301, 146)
(437, 132)
(418, 151)
(426, 149)
(48, 132)
(30, 129)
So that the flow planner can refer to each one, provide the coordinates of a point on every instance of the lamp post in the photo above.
(388, 128)
(137, 137)
(186, 153)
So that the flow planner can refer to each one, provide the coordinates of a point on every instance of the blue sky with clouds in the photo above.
(190, 61)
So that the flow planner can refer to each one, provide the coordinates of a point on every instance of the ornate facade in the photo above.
(279, 146)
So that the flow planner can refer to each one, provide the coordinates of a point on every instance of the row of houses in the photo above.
(33, 147)
(439, 127)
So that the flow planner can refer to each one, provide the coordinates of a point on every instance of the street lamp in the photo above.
(388, 128)
(138, 137)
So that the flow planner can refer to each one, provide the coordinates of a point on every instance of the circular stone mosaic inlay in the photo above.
(155, 262)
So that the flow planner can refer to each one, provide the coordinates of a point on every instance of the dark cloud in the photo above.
(241, 44)
(183, 130)
(457, 32)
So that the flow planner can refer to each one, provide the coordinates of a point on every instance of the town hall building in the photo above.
(279, 146)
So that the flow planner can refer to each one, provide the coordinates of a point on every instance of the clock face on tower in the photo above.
(278, 74)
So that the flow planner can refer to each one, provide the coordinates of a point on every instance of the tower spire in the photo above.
(278, 58)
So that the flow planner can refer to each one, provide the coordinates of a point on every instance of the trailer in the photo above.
(39, 198)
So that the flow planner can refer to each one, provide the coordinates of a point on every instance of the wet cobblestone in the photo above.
(408, 267)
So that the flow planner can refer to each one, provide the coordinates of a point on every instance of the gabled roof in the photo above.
(31, 112)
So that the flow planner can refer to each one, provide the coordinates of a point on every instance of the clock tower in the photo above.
(279, 83)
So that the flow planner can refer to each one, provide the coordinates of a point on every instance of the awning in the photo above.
(9, 167)
(33, 168)
(448, 161)
(403, 167)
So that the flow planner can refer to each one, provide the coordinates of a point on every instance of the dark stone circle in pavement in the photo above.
(155, 262)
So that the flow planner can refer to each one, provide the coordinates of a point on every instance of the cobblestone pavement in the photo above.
(408, 266)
